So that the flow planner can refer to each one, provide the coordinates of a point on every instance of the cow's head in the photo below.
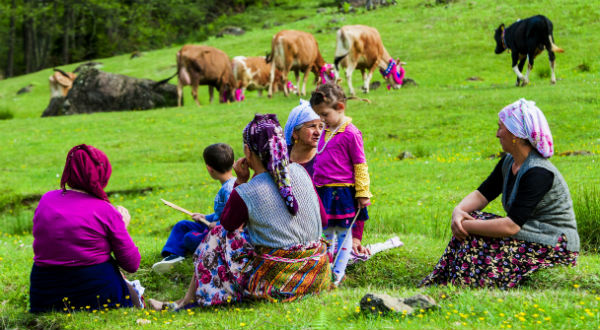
(394, 73)
(328, 74)
(227, 93)
(499, 37)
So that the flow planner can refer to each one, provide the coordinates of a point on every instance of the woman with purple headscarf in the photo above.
(76, 230)
(268, 245)
(539, 229)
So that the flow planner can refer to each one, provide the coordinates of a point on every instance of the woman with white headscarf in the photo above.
(539, 229)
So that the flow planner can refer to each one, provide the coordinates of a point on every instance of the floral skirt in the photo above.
(480, 261)
(218, 264)
(228, 269)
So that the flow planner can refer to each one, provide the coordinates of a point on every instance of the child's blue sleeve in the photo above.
(220, 201)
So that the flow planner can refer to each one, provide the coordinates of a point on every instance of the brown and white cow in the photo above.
(296, 51)
(253, 74)
(61, 82)
(204, 65)
(360, 47)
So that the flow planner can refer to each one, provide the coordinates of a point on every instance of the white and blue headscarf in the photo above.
(299, 115)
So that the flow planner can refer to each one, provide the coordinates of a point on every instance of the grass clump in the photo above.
(587, 211)
(5, 113)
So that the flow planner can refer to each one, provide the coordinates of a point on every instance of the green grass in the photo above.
(447, 122)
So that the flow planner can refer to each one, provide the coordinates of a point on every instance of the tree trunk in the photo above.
(66, 26)
(11, 41)
(28, 37)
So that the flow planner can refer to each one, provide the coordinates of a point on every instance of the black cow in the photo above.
(526, 39)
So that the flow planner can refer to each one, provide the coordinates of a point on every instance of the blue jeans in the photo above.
(185, 237)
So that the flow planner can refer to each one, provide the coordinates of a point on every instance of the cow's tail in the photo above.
(342, 49)
(552, 47)
(167, 79)
(337, 61)
(62, 72)
(178, 58)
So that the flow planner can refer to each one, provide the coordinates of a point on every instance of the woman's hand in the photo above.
(458, 216)
(198, 217)
(363, 202)
(242, 171)
(124, 214)
(358, 248)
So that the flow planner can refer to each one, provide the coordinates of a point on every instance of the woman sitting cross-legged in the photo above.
(539, 230)
(269, 243)
(74, 233)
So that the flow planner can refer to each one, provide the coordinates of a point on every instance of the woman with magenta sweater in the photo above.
(75, 231)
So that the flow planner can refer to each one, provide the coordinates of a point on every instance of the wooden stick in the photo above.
(181, 209)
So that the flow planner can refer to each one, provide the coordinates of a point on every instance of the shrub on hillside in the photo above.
(5, 113)
(587, 211)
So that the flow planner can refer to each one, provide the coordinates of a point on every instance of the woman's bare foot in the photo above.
(156, 304)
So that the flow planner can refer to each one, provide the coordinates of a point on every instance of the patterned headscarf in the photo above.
(299, 115)
(526, 121)
(264, 137)
(88, 169)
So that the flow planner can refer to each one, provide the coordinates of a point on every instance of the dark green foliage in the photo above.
(64, 31)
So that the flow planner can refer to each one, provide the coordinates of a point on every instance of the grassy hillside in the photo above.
(447, 122)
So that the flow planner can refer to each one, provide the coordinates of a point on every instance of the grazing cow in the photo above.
(296, 51)
(526, 39)
(253, 74)
(360, 47)
(61, 82)
(204, 65)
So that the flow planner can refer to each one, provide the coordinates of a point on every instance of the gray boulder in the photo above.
(97, 91)
(381, 303)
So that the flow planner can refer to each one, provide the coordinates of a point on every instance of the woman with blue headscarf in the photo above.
(302, 132)
(539, 229)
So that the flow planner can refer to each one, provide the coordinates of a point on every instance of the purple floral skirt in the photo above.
(480, 261)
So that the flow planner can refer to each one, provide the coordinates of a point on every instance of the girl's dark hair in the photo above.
(328, 93)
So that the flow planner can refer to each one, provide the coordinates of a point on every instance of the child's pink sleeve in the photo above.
(356, 148)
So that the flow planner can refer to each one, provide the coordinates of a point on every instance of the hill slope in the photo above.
(447, 122)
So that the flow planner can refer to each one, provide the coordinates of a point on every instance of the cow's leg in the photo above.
(530, 59)
(517, 65)
(349, 69)
(179, 92)
(211, 93)
(195, 93)
(552, 57)
(305, 80)
(367, 79)
(297, 79)
(271, 79)
(365, 87)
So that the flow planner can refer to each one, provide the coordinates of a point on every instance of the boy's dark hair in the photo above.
(328, 93)
(219, 156)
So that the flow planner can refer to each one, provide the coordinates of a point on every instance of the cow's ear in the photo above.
(502, 26)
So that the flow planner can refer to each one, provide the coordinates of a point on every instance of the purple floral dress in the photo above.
(480, 261)
(218, 264)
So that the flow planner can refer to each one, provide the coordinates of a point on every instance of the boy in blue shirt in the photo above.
(186, 235)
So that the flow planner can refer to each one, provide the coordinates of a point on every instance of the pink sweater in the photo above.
(77, 229)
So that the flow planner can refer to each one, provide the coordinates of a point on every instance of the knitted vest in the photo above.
(270, 223)
(553, 216)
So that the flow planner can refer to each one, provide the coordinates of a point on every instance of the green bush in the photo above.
(5, 113)
(587, 210)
